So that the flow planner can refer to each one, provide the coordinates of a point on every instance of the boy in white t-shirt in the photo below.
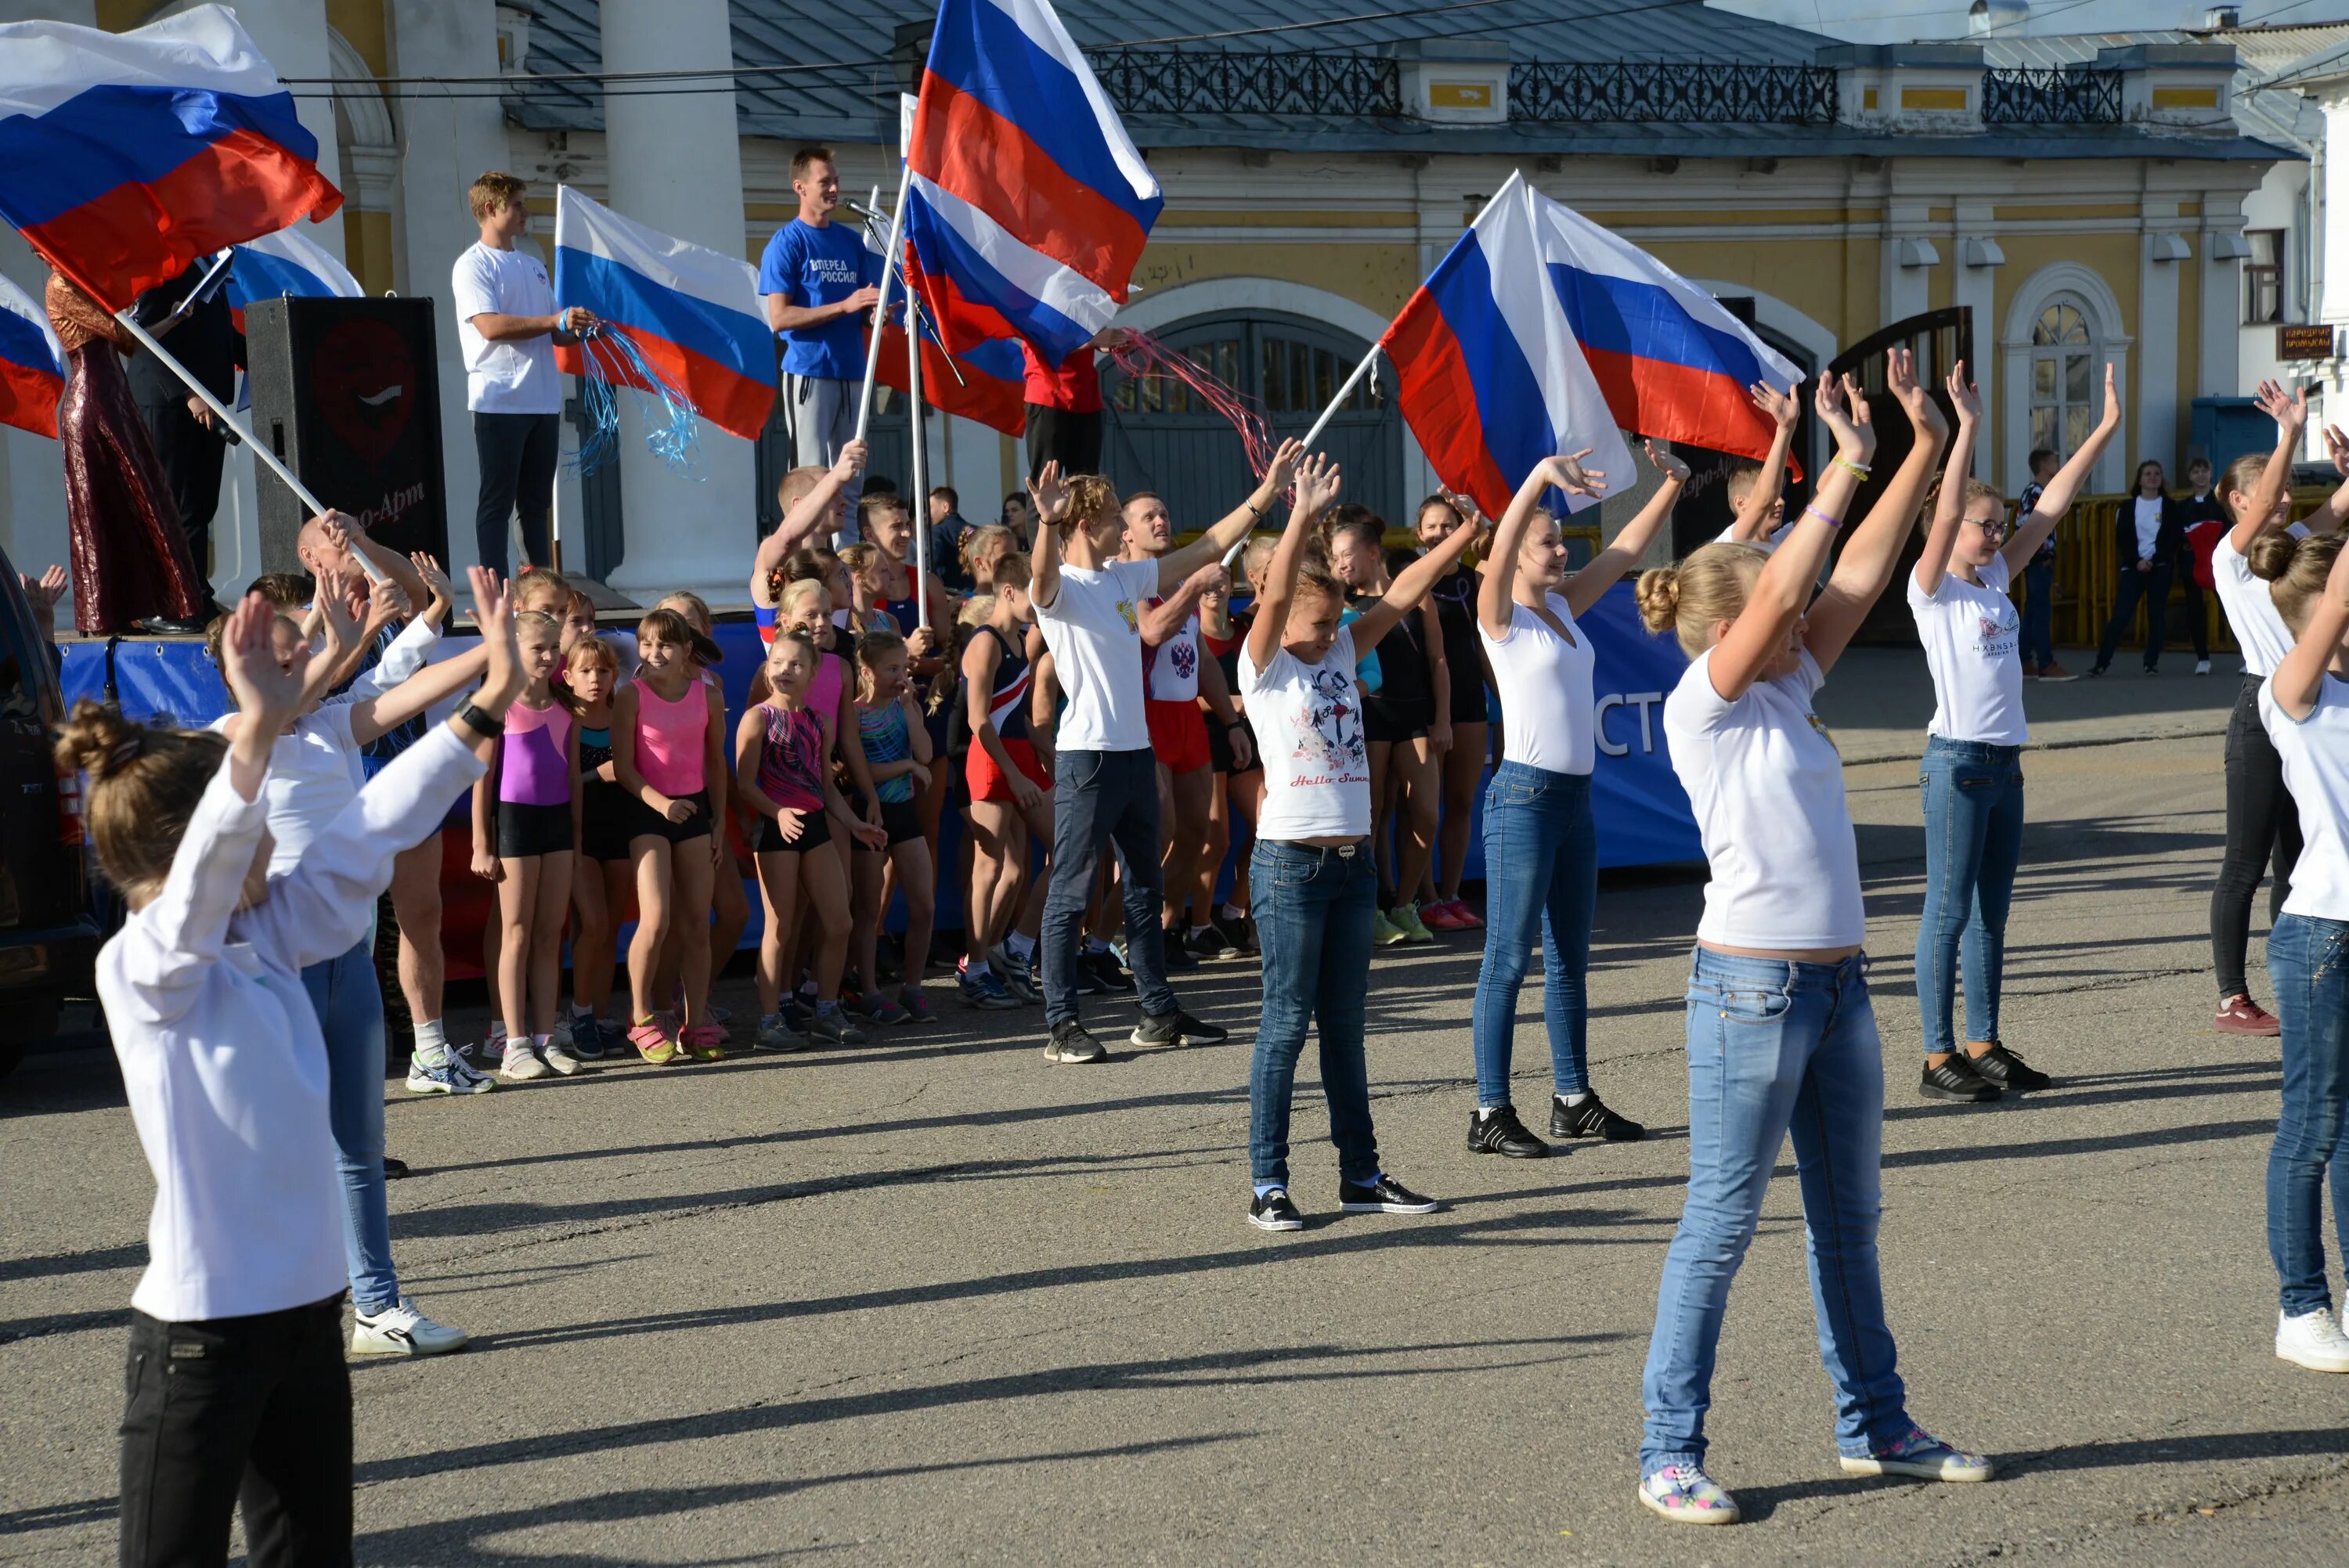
(508, 326)
(1089, 609)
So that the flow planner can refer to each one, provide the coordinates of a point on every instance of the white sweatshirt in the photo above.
(222, 1057)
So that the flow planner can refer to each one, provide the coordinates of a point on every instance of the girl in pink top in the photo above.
(525, 839)
(668, 734)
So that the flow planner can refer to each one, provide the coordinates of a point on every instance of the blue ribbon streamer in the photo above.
(610, 361)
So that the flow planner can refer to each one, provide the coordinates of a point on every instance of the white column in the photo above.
(1976, 260)
(676, 164)
(447, 142)
(2157, 365)
(2334, 306)
(292, 33)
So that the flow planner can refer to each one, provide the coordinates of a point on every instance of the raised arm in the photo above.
(1176, 564)
(1787, 409)
(1049, 500)
(1408, 588)
(1949, 506)
(377, 716)
(2289, 411)
(1783, 587)
(1164, 620)
(1588, 586)
(1499, 584)
(1317, 487)
(2056, 498)
(803, 521)
(1873, 551)
(2300, 678)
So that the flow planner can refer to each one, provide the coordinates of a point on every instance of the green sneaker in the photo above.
(1406, 920)
(1383, 931)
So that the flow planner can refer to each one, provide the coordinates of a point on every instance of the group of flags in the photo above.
(126, 156)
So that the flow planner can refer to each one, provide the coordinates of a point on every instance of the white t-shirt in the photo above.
(1766, 544)
(1972, 633)
(516, 377)
(2148, 525)
(2250, 609)
(1172, 668)
(1767, 784)
(1094, 629)
(1308, 730)
(314, 773)
(1544, 681)
(2315, 755)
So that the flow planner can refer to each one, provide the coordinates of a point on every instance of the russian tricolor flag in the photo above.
(286, 262)
(32, 365)
(1674, 363)
(124, 157)
(993, 389)
(692, 312)
(1490, 375)
(1028, 204)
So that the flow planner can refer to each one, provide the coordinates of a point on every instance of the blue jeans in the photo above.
(2038, 613)
(1541, 872)
(1312, 909)
(349, 1005)
(1104, 797)
(1775, 1047)
(1973, 841)
(2308, 961)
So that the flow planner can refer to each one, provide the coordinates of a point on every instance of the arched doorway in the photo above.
(1940, 339)
(1162, 438)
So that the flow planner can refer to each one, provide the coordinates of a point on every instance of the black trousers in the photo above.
(252, 1410)
(2153, 587)
(2197, 617)
(192, 459)
(2263, 831)
(1057, 435)
(518, 454)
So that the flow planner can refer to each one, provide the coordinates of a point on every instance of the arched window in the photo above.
(2064, 360)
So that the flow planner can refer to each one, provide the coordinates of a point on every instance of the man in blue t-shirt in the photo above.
(821, 283)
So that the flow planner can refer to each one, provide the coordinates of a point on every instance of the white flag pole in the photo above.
(1319, 425)
(881, 312)
(921, 496)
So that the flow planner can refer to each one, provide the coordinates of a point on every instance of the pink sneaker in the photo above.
(1437, 915)
(1468, 918)
(2241, 1015)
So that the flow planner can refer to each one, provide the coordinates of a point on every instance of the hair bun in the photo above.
(2271, 555)
(97, 740)
(1658, 594)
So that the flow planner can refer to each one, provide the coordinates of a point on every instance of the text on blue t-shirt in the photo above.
(810, 266)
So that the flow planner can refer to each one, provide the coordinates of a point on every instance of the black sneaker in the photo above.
(1069, 1043)
(1165, 1030)
(1107, 973)
(393, 1170)
(1274, 1212)
(1503, 1133)
(1211, 941)
(1591, 1118)
(1385, 1196)
(2002, 1067)
(1956, 1079)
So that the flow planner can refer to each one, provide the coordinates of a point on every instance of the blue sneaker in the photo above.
(1922, 1455)
(1686, 1495)
(587, 1038)
(983, 990)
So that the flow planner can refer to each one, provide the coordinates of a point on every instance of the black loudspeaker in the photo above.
(346, 391)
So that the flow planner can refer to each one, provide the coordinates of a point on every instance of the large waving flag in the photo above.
(692, 312)
(32, 365)
(1028, 204)
(993, 388)
(1674, 363)
(285, 263)
(124, 157)
(1490, 375)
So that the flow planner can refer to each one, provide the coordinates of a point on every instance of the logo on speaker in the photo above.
(365, 381)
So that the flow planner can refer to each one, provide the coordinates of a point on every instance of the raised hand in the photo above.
(435, 579)
(853, 457)
(1047, 495)
(1212, 579)
(334, 600)
(1284, 465)
(386, 604)
(2111, 419)
(1784, 408)
(2288, 409)
(1853, 443)
(1963, 397)
(1318, 482)
(268, 695)
(1667, 464)
(494, 613)
(42, 593)
(2336, 447)
(1566, 472)
(1900, 380)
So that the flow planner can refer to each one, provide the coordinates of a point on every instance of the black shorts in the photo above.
(644, 822)
(525, 831)
(603, 822)
(1219, 747)
(1392, 721)
(900, 820)
(1468, 702)
(767, 835)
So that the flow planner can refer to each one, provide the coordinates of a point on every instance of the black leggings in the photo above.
(2262, 828)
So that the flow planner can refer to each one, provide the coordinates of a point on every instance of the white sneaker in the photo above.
(521, 1063)
(2312, 1340)
(400, 1330)
(451, 1077)
(560, 1058)
(2202, 666)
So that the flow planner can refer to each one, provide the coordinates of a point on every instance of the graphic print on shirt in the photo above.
(1330, 730)
(1132, 617)
(2001, 630)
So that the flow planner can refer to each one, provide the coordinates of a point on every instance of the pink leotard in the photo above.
(533, 770)
(672, 739)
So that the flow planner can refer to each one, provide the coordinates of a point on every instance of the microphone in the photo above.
(861, 210)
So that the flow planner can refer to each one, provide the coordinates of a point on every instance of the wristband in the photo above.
(481, 723)
(1858, 470)
(1234, 723)
(1823, 517)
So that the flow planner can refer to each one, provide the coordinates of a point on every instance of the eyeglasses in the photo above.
(1995, 527)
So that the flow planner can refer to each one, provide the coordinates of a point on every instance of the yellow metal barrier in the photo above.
(2087, 578)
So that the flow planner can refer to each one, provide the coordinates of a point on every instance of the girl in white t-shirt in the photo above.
(2304, 707)
(1780, 1033)
(1541, 844)
(1972, 770)
(1313, 888)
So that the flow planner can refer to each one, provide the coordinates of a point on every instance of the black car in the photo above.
(47, 935)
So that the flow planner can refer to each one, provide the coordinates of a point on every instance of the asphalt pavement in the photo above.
(936, 1301)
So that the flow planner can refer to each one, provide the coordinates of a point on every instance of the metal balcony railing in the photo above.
(1678, 92)
(1185, 81)
(2064, 96)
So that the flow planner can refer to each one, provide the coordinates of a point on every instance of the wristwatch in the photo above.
(481, 723)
